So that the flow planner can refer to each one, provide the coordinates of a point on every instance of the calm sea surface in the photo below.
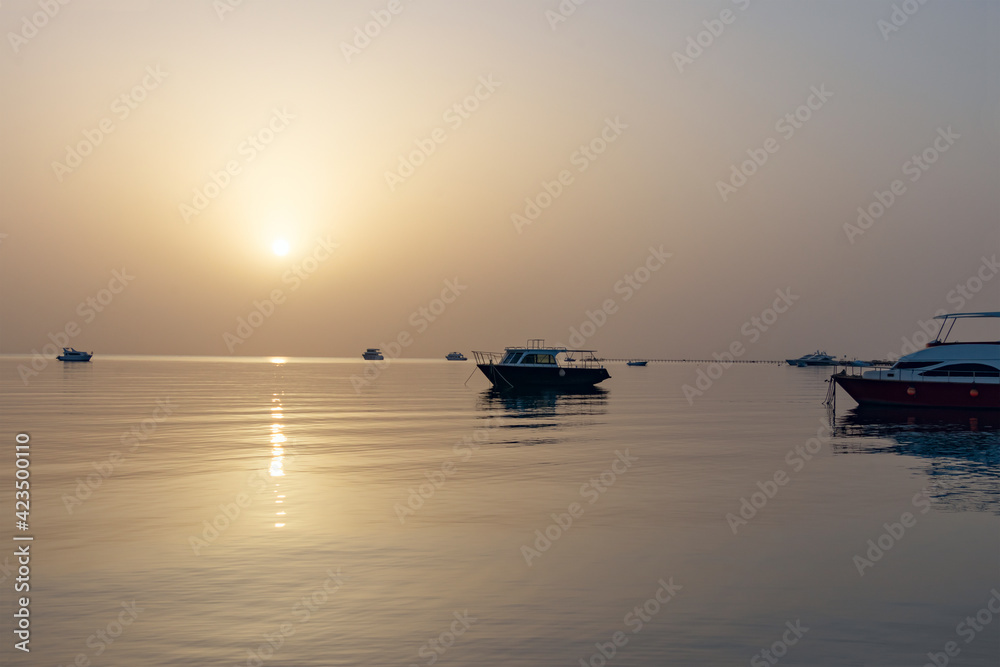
(264, 512)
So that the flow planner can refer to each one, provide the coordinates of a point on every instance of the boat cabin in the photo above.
(537, 353)
(529, 357)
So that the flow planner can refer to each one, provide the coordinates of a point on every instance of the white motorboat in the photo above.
(70, 354)
(942, 375)
(816, 359)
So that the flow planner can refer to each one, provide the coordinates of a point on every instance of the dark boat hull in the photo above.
(965, 395)
(518, 377)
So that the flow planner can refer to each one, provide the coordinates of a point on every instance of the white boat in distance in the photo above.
(372, 354)
(69, 354)
(816, 359)
(456, 356)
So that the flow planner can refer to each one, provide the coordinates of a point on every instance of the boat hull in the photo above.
(967, 395)
(803, 364)
(83, 358)
(518, 377)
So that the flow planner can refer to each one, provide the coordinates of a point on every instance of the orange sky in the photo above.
(475, 174)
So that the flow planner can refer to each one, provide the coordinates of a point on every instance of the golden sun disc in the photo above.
(280, 247)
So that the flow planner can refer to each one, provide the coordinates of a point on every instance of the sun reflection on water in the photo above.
(278, 441)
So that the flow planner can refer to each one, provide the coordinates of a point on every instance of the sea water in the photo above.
(205, 511)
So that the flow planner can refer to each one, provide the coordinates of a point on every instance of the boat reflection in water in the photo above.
(542, 409)
(960, 449)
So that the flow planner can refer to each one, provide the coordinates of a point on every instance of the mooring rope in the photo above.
(501, 376)
(831, 393)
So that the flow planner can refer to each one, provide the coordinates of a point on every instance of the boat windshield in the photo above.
(539, 359)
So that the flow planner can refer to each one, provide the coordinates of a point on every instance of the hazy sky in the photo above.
(174, 141)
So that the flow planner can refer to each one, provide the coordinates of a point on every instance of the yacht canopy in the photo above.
(957, 316)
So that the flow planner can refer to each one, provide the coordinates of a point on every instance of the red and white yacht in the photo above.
(942, 375)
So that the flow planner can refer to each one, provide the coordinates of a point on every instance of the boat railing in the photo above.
(580, 359)
(487, 357)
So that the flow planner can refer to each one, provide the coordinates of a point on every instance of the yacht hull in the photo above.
(968, 395)
(517, 377)
(803, 364)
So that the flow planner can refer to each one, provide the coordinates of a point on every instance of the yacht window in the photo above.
(914, 364)
(517, 357)
(963, 370)
(509, 358)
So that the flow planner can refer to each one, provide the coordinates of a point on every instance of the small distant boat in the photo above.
(373, 354)
(637, 363)
(456, 356)
(942, 375)
(69, 354)
(540, 365)
(816, 359)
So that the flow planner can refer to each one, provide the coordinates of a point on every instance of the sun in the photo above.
(280, 247)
